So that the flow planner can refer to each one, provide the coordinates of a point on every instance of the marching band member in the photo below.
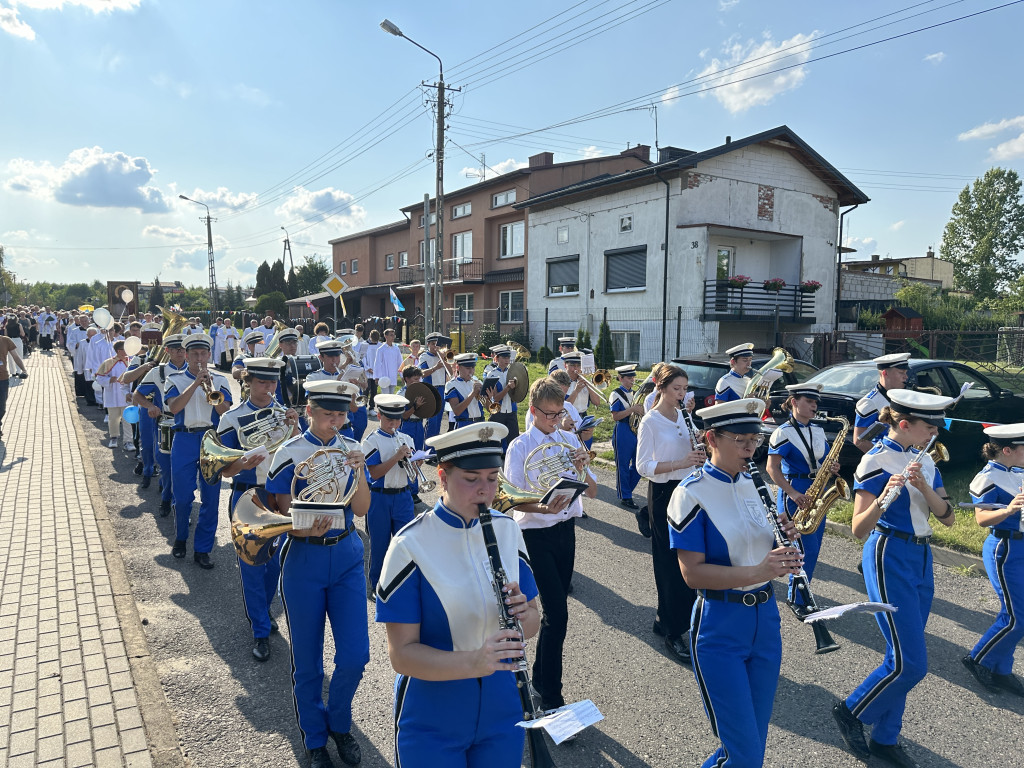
(549, 532)
(623, 438)
(733, 384)
(358, 417)
(579, 394)
(892, 374)
(456, 702)
(566, 346)
(726, 549)
(330, 358)
(187, 400)
(498, 371)
(259, 582)
(436, 375)
(665, 454)
(252, 343)
(463, 392)
(149, 396)
(411, 424)
(322, 580)
(796, 450)
(1001, 482)
(897, 563)
(115, 392)
(570, 421)
(391, 502)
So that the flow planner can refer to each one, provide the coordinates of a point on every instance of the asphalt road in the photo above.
(232, 711)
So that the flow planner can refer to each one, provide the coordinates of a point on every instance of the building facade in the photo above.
(925, 267)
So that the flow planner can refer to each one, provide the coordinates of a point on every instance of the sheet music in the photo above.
(838, 610)
(566, 721)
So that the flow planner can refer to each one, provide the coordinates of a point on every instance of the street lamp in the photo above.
(209, 252)
(433, 296)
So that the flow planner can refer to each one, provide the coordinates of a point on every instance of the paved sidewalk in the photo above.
(67, 695)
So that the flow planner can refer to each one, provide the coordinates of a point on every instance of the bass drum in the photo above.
(296, 369)
(166, 427)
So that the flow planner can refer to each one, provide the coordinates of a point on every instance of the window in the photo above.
(503, 198)
(563, 235)
(458, 211)
(389, 261)
(564, 275)
(510, 305)
(464, 301)
(960, 376)
(627, 346)
(355, 266)
(556, 335)
(403, 258)
(625, 269)
(512, 240)
(462, 247)
(343, 268)
(433, 219)
(433, 252)
(626, 223)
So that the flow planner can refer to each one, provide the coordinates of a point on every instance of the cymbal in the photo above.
(517, 372)
(431, 399)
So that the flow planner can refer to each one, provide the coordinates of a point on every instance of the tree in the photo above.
(311, 275)
(293, 285)
(262, 280)
(272, 301)
(156, 296)
(604, 355)
(278, 282)
(985, 233)
(195, 298)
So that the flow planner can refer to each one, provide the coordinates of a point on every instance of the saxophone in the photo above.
(819, 501)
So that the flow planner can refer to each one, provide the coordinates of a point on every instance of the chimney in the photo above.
(542, 160)
(728, 139)
(930, 254)
(875, 257)
(642, 151)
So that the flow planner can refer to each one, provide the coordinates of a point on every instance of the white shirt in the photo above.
(464, 389)
(570, 410)
(660, 439)
(302, 346)
(494, 372)
(367, 357)
(380, 442)
(314, 341)
(197, 412)
(515, 463)
(386, 363)
(438, 377)
(581, 400)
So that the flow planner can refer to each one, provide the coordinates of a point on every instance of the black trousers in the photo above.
(552, 555)
(84, 389)
(675, 598)
(510, 420)
(5, 386)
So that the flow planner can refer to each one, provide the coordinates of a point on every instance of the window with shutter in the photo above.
(564, 275)
(625, 268)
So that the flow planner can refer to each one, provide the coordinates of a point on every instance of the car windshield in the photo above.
(848, 379)
(703, 376)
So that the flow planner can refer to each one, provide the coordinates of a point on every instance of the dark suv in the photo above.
(704, 373)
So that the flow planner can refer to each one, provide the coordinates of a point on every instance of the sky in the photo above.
(307, 116)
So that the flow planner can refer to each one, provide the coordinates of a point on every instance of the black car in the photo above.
(704, 373)
(984, 403)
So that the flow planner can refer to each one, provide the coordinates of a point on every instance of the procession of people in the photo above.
(307, 448)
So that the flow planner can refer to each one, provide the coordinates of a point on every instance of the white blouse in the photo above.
(661, 439)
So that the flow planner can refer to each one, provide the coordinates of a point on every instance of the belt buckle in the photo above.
(762, 596)
(750, 599)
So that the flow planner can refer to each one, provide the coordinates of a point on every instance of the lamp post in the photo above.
(209, 253)
(433, 299)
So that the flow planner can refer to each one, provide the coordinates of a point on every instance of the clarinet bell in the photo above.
(540, 757)
(823, 642)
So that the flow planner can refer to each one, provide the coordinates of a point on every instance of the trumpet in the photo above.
(415, 474)
(213, 396)
(595, 389)
(321, 471)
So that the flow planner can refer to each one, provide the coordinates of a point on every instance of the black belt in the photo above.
(323, 541)
(389, 491)
(901, 535)
(802, 476)
(1004, 534)
(237, 486)
(193, 429)
(743, 598)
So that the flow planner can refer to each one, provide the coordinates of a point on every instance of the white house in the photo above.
(763, 207)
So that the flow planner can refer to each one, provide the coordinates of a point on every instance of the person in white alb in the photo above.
(387, 363)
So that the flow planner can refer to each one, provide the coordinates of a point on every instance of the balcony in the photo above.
(752, 303)
(454, 272)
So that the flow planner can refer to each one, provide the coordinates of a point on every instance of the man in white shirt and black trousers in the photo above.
(549, 532)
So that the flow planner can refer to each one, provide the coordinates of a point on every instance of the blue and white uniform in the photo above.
(1003, 554)
(146, 426)
(802, 448)
(322, 579)
(736, 648)
(153, 386)
(624, 445)
(897, 561)
(391, 504)
(869, 406)
(348, 429)
(357, 419)
(457, 390)
(509, 413)
(437, 380)
(731, 387)
(436, 574)
(413, 427)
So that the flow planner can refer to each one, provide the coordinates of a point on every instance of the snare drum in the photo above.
(296, 370)
(166, 427)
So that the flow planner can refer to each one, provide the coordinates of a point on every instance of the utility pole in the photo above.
(288, 250)
(214, 303)
(428, 274)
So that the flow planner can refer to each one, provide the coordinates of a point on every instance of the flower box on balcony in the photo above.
(738, 281)
(773, 284)
(810, 286)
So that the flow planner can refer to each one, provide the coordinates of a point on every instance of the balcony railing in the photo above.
(454, 271)
(724, 303)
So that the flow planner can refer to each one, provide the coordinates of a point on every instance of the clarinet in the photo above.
(539, 755)
(822, 639)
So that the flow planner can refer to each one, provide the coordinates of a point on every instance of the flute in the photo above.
(893, 493)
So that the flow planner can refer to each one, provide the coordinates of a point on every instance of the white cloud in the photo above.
(186, 259)
(224, 198)
(109, 60)
(990, 130)
(591, 152)
(866, 246)
(897, 226)
(90, 177)
(331, 212)
(16, 234)
(670, 95)
(183, 90)
(1008, 150)
(935, 58)
(727, 5)
(169, 233)
(12, 25)
(744, 88)
(253, 96)
(494, 169)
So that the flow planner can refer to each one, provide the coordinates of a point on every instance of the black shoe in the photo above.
(146, 480)
(852, 730)
(165, 510)
(348, 748)
(319, 758)
(1009, 682)
(981, 673)
(657, 629)
(262, 649)
(892, 754)
(678, 649)
(202, 559)
(629, 504)
(273, 624)
(138, 468)
(178, 550)
(643, 523)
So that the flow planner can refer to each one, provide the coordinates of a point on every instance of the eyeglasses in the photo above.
(744, 442)
(551, 414)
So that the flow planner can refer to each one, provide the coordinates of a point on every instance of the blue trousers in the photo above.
(900, 573)
(185, 471)
(388, 513)
(434, 425)
(147, 441)
(624, 444)
(358, 419)
(259, 582)
(737, 653)
(810, 543)
(414, 428)
(1004, 561)
(320, 584)
(163, 460)
(458, 723)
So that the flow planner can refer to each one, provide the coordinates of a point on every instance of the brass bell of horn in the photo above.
(215, 457)
(255, 529)
(509, 495)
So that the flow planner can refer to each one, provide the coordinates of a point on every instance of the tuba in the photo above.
(780, 360)
(173, 322)
(254, 529)
(275, 345)
(819, 501)
(638, 397)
